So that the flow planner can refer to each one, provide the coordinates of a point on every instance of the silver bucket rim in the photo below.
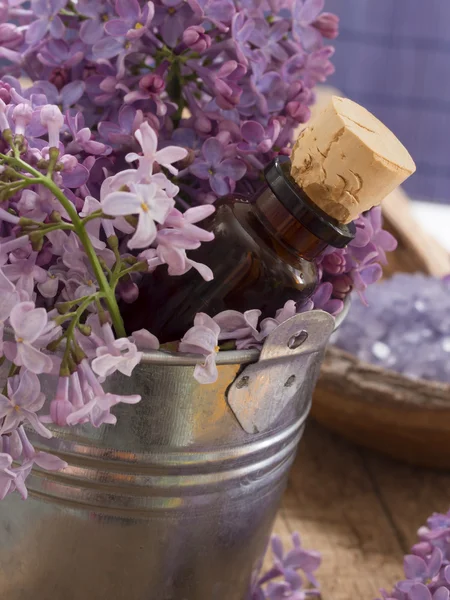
(224, 357)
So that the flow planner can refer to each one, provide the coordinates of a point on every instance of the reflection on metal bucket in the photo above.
(176, 502)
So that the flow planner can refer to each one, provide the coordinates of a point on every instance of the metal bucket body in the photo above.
(175, 502)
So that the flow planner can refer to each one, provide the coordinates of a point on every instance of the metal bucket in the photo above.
(176, 502)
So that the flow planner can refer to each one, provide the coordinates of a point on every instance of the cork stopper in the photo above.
(347, 161)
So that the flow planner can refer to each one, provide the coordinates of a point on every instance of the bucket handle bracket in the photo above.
(287, 370)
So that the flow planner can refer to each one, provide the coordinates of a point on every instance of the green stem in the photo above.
(71, 328)
(138, 267)
(50, 228)
(108, 293)
(95, 215)
(70, 303)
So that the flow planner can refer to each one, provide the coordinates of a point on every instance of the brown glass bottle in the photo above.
(263, 254)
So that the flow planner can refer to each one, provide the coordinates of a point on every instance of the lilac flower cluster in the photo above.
(355, 267)
(64, 259)
(406, 312)
(136, 116)
(427, 568)
(283, 580)
(230, 80)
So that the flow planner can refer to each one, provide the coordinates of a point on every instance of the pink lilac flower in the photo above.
(241, 327)
(98, 403)
(117, 355)
(23, 401)
(182, 228)
(22, 115)
(52, 118)
(334, 262)
(149, 142)
(179, 263)
(179, 234)
(79, 284)
(44, 460)
(36, 205)
(24, 273)
(69, 247)
(145, 200)
(92, 205)
(145, 340)
(30, 457)
(60, 406)
(202, 338)
(28, 323)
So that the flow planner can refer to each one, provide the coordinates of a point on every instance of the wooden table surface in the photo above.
(359, 509)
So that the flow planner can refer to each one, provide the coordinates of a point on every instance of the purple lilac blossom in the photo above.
(403, 313)
(124, 97)
(285, 579)
(46, 273)
(202, 339)
(158, 56)
(427, 569)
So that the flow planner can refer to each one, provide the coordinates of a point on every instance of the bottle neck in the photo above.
(288, 230)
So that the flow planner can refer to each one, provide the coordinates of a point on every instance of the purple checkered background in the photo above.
(393, 56)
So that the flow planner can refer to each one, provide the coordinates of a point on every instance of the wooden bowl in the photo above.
(380, 409)
(383, 410)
